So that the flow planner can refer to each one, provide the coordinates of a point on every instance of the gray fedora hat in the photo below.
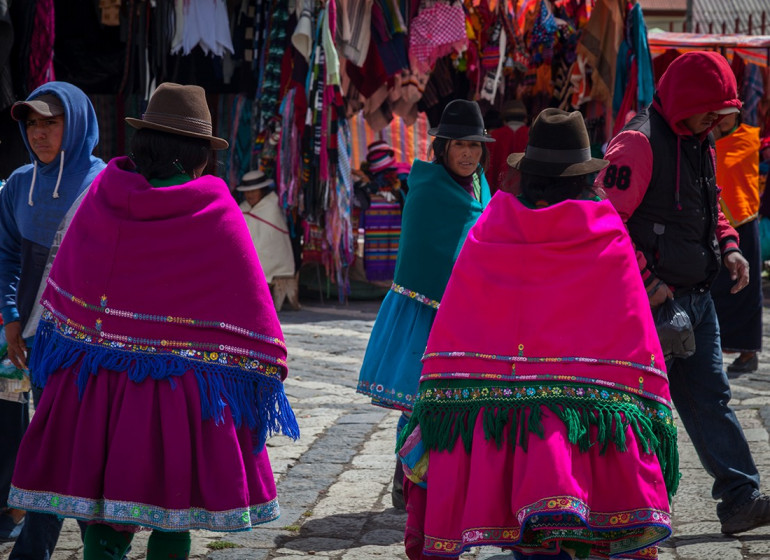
(558, 146)
(461, 120)
(182, 110)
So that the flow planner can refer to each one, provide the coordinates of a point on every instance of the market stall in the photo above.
(301, 88)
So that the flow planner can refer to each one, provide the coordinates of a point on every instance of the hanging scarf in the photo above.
(545, 308)
(158, 282)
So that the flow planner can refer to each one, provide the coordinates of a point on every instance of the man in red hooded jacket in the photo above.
(661, 180)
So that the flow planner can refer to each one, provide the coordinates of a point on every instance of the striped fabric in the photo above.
(408, 142)
(751, 48)
(383, 228)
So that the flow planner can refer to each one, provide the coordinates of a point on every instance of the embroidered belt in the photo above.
(415, 295)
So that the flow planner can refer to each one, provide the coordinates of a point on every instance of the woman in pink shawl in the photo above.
(160, 352)
(543, 421)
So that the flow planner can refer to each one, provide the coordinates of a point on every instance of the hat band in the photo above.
(188, 124)
(459, 130)
(553, 155)
(257, 181)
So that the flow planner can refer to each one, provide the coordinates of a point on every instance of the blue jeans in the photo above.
(701, 393)
(38, 537)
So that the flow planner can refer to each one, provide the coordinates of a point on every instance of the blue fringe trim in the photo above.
(259, 401)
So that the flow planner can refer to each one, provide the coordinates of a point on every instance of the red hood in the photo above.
(696, 82)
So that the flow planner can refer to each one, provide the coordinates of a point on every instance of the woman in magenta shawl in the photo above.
(543, 421)
(160, 352)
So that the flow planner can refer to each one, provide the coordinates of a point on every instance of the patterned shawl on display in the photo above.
(546, 308)
(157, 282)
(437, 216)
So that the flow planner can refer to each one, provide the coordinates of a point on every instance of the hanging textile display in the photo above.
(41, 49)
(634, 80)
(301, 88)
(204, 25)
(435, 32)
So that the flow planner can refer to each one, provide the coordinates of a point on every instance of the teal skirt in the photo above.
(392, 364)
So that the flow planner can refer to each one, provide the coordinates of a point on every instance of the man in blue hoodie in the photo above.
(59, 128)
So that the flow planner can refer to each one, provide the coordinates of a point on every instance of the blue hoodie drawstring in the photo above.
(32, 186)
(58, 179)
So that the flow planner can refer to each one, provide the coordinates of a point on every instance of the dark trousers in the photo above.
(40, 533)
(14, 419)
(740, 315)
(701, 393)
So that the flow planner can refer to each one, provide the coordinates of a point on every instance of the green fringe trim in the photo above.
(441, 426)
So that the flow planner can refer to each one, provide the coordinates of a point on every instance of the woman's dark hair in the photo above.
(537, 188)
(160, 155)
(441, 145)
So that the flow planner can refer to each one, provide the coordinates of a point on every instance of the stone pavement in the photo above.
(334, 483)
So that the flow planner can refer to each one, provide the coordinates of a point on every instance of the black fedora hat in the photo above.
(558, 146)
(461, 120)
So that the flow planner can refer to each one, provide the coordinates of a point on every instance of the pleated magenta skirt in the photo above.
(139, 455)
(609, 503)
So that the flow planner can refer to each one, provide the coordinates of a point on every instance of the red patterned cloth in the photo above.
(434, 33)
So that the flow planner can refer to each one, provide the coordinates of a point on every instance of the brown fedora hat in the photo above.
(179, 109)
(558, 146)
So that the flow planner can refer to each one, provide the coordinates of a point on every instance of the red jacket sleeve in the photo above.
(726, 235)
(626, 179)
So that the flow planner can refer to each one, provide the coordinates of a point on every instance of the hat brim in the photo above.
(728, 111)
(216, 143)
(549, 169)
(389, 151)
(471, 138)
(381, 167)
(21, 109)
(257, 187)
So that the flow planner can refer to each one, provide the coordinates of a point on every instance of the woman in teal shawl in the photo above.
(445, 198)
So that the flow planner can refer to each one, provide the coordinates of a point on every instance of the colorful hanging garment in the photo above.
(634, 67)
(41, 45)
(434, 33)
(269, 88)
(382, 227)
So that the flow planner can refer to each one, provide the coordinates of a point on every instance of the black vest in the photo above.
(677, 237)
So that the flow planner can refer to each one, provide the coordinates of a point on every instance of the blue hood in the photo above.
(37, 196)
(81, 130)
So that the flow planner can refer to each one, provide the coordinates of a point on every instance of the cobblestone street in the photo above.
(334, 483)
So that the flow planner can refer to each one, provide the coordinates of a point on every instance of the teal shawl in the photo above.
(437, 216)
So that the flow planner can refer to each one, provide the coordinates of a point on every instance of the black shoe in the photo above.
(744, 366)
(752, 514)
(397, 494)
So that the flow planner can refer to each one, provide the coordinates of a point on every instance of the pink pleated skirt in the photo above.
(139, 455)
(614, 503)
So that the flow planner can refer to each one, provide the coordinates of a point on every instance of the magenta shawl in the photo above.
(546, 307)
(162, 281)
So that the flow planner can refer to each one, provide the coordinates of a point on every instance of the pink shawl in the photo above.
(546, 307)
(161, 281)
(557, 282)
